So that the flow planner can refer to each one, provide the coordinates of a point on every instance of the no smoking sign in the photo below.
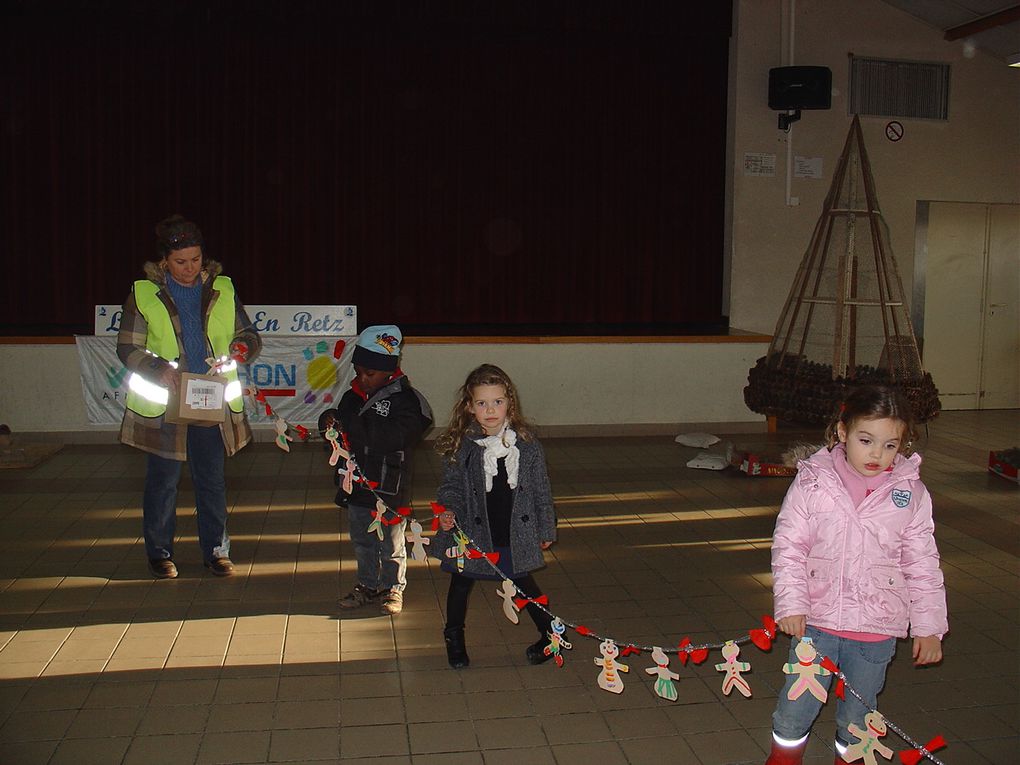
(894, 131)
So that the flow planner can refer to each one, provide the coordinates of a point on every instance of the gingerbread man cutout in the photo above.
(869, 743)
(333, 436)
(378, 519)
(664, 677)
(733, 679)
(416, 540)
(281, 433)
(556, 641)
(807, 671)
(508, 591)
(609, 677)
(347, 471)
(459, 550)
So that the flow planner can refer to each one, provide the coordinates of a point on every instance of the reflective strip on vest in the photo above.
(150, 399)
(151, 393)
(234, 391)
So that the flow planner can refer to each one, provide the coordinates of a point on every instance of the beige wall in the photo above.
(972, 157)
(654, 386)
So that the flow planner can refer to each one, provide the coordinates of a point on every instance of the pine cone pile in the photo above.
(805, 391)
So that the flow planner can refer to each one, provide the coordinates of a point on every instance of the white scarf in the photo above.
(503, 444)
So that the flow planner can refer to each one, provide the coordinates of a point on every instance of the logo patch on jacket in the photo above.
(901, 497)
(382, 408)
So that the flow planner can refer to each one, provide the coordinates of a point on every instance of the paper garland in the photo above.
(868, 743)
(416, 540)
(609, 677)
(806, 669)
(664, 678)
(556, 641)
(733, 669)
(506, 591)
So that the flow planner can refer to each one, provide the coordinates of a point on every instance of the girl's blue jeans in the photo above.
(864, 665)
(159, 502)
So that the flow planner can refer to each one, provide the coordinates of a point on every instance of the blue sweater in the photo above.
(189, 306)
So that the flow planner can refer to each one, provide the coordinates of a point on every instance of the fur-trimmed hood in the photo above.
(155, 273)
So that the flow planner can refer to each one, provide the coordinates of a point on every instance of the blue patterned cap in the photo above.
(379, 347)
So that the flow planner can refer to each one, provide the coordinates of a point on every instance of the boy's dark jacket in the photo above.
(383, 431)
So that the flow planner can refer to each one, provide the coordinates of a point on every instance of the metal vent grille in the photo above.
(899, 88)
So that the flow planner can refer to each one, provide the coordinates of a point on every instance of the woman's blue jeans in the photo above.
(382, 563)
(864, 665)
(159, 502)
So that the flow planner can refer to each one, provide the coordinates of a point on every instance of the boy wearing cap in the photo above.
(384, 418)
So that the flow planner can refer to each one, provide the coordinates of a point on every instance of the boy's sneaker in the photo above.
(358, 597)
(393, 603)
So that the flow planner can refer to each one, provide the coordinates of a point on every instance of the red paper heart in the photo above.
(763, 637)
(682, 652)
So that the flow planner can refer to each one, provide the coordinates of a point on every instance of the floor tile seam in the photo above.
(178, 636)
(49, 661)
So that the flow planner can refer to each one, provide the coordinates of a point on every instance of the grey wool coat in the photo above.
(532, 519)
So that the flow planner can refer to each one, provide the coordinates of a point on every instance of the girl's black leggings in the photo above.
(460, 589)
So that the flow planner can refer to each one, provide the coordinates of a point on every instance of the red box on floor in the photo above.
(999, 466)
(754, 465)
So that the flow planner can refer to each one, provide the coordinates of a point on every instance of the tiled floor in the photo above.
(101, 664)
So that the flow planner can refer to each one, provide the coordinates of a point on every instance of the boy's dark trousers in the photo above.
(382, 563)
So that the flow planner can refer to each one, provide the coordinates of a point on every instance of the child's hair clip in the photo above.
(842, 409)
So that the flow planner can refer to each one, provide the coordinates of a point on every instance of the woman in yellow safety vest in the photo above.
(181, 317)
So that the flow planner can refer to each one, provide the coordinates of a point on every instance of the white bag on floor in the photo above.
(709, 461)
(697, 440)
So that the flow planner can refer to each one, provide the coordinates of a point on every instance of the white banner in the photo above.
(300, 376)
(273, 320)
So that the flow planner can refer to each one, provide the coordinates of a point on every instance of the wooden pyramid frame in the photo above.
(845, 321)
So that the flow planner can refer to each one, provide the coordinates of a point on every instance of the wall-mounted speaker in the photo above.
(800, 87)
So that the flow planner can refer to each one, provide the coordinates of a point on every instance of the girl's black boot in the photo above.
(456, 651)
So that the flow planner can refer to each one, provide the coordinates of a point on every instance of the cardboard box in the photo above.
(755, 465)
(997, 464)
(199, 400)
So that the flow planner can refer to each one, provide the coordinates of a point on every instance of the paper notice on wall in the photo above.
(760, 164)
(807, 167)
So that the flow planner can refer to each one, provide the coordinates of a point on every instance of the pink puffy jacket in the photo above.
(874, 568)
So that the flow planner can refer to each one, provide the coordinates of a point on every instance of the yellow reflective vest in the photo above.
(150, 399)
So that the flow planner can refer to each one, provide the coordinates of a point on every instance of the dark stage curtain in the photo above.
(509, 166)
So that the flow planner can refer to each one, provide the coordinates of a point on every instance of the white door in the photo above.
(1000, 381)
(970, 266)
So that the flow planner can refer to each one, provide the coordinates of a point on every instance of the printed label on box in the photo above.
(201, 394)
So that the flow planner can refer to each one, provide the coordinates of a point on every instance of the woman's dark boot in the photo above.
(456, 651)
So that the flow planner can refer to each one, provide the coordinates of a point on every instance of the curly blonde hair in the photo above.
(462, 418)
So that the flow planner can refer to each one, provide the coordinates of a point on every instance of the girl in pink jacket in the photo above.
(854, 563)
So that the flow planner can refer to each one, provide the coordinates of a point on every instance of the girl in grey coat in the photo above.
(495, 488)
